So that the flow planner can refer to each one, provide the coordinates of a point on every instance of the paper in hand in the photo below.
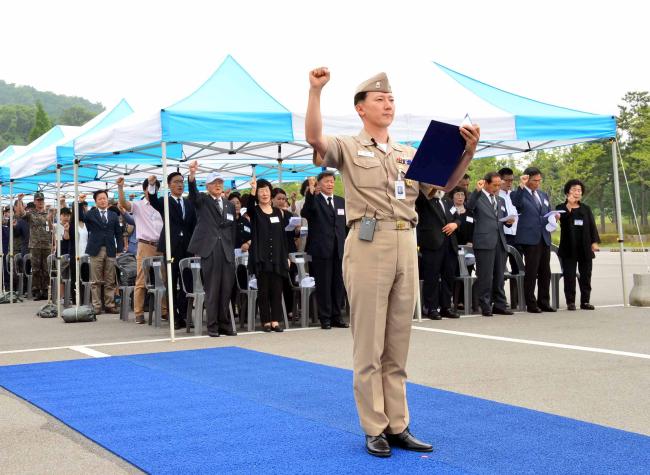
(440, 158)
(294, 221)
(553, 212)
(509, 218)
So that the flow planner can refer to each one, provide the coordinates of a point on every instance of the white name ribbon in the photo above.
(365, 153)
(247, 229)
(340, 212)
(469, 219)
(229, 217)
(578, 222)
(545, 202)
(275, 219)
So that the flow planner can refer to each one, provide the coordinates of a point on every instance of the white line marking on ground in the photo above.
(89, 352)
(156, 340)
(537, 343)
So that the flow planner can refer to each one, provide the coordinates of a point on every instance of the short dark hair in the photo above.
(263, 183)
(325, 173)
(234, 194)
(457, 189)
(489, 176)
(145, 184)
(66, 211)
(172, 175)
(303, 187)
(99, 192)
(571, 183)
(278, 191)
(360, 97)
(532, 171)
(505, 171)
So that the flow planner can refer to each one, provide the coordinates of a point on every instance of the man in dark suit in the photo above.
(182, 220)
(436, 233)
(535, 240)
(489, 244)
(105, 242)
(214, 241)
(325, 215)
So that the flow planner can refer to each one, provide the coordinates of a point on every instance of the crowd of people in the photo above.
(491, 218)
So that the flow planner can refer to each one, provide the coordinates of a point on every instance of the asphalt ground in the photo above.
(591, 366)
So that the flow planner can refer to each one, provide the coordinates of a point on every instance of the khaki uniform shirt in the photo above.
(40, 232)
(369, 177)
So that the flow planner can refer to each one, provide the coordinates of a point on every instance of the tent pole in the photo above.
(57, 240)
(619, 218)
(77, 260)
(168, 246)
(11, 241)
(2, 255)
(280, 163)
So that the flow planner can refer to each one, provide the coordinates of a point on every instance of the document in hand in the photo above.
(439, 158)
(512, 217)
(294, 221)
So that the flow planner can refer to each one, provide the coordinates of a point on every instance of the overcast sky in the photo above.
(582, 55)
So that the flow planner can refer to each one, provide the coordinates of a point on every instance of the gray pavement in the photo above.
(591, 383)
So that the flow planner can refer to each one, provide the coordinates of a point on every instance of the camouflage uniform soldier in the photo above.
(40, 242)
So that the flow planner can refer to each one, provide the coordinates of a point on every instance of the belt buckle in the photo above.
(401, 225)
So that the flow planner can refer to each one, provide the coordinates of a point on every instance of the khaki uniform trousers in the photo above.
(140, 291)
(381, 279)
(40, 272)
(102, 272)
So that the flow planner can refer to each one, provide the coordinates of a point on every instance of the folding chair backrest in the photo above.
(51, 263)
(18, 263)
(191, 278)
(157, 264)
(241, 275)
(554, 250)
(300, 260)
(512, 251)
(84, 268)
(462, 264)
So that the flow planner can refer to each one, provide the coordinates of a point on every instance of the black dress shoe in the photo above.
(377, 445)
(326, 326)
(407, 441)
(213, 334)
(277, 328)
(449, 313)
(178, 324)
(340, 324)
(533, 310)
(227, 332)
(547, 308)
(486, 313)
(502, 311)
(571, 306)
(267, 328)
(434, 315)
(587, 306)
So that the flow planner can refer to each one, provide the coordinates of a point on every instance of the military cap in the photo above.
(39, 196)
(377, 83)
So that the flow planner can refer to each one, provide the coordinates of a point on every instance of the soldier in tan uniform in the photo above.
(379, 268)
(40, 242)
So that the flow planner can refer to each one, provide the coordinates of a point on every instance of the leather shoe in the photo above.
(377, 445)
(571, 306)
(340, 324)
(434, 315)
(547, 308)
(587, 306)
(533, 310)
(112, 310)
(486, 313)
(227, 332)
(407, 441)
(139, 319)
(449, 313)
(213, 334)
(267, 328)
(502, 311)
(277, 329)
(325, 326)
(178, 324)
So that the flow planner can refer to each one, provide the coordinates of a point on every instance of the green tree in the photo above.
(76, 115)
(15, 123)
(42, 123)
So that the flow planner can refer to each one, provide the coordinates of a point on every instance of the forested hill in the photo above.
(18, 107)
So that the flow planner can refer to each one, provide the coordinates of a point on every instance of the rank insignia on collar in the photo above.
(404, 161)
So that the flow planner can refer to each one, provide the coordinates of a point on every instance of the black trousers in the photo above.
(438, 270)
(330, 291)
(180, 301)
(218, 278)
(269, 296)
(490, 266)
(569, 275)
(537, 259)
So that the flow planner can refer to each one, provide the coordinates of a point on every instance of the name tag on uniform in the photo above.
(340, 212)
(452, 210)
(229, 217)
(400, 190)
(275, 219)
(545, 202)
(365, 153)
(469, 219)
(578, 222)
(47, 228)
(503, 208)
(247, 229)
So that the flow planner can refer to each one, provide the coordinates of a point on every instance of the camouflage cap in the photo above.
(39, 196)
(377, 83)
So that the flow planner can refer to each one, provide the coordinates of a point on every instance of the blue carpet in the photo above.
(230, 410)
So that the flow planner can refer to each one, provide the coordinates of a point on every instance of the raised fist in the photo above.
(193, 167)
(120, 182)
(480, 185)
(523, 180)
(152, 180)
(319, 77)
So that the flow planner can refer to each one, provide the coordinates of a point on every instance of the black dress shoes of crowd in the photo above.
(501, 311)
(336, 324)
(448, 313)
(380, 445)
(227, 332)
(547, 308)
(377, 445)
(587, 306)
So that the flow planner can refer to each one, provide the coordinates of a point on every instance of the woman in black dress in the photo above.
(268, 255)
(578, 241)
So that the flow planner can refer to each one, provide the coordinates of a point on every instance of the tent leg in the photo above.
(619, 219)
(58, 241)
(2, 255)
(77, 261)
(11, 241)
(168, 258)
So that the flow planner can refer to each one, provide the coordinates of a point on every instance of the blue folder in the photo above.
(439, 158)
